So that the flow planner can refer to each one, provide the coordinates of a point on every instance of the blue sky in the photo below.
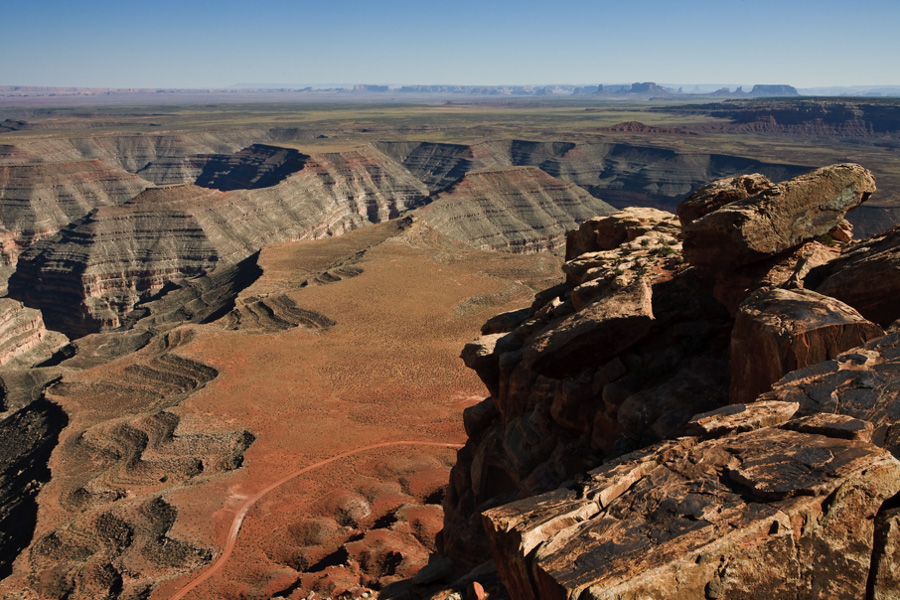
(163, 43)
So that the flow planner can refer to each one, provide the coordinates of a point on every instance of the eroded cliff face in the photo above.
(213, 199)
(37, 200)
(661, 424)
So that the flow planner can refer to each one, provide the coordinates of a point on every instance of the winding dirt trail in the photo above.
(231, 541)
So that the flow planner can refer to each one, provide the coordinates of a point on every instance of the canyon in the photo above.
(201, 303)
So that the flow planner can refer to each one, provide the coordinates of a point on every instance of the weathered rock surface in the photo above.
(861, 383)
(597, 333)
(776, 218)
(608, 233)
(715, 195)
(771, 509)
(779, 331)
(621, 356)
(760, 496)
(788, 269)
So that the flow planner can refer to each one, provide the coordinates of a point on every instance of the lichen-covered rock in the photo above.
(779, 331)
(608, 233)
(717, 194)
(777, 218)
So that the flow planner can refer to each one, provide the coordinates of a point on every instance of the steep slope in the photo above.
(436, 165)
(256, 166)
(36, 200)
(23, 337)
(27, 437)
(96, 271)
(520, 209)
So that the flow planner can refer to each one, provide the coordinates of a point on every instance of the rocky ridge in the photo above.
(649, 435)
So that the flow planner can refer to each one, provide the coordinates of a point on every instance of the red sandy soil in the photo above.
(389, 370)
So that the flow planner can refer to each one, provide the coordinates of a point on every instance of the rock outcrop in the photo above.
(620, 356)
(774, 219)
(608, 463)
(775, 509)
(778, 331)
(866, 277)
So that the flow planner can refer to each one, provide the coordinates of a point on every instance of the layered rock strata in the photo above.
(37, 200)
(523, 209)
(23, 337)
(117, 257)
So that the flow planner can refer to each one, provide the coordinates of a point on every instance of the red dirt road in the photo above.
(231, 541)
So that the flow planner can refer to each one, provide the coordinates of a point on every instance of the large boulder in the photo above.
(717, 194)
(776, 218)
(779, 331)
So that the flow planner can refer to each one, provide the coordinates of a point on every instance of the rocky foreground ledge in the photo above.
(707, 407)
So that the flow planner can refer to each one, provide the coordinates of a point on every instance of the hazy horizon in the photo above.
(167, 44)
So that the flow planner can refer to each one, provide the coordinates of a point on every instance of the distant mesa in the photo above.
(642, 90)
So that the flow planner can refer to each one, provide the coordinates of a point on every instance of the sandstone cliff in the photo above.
(607, 461)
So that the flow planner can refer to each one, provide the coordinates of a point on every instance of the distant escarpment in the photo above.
(620, 174)
(806, 116)
(662, 424)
